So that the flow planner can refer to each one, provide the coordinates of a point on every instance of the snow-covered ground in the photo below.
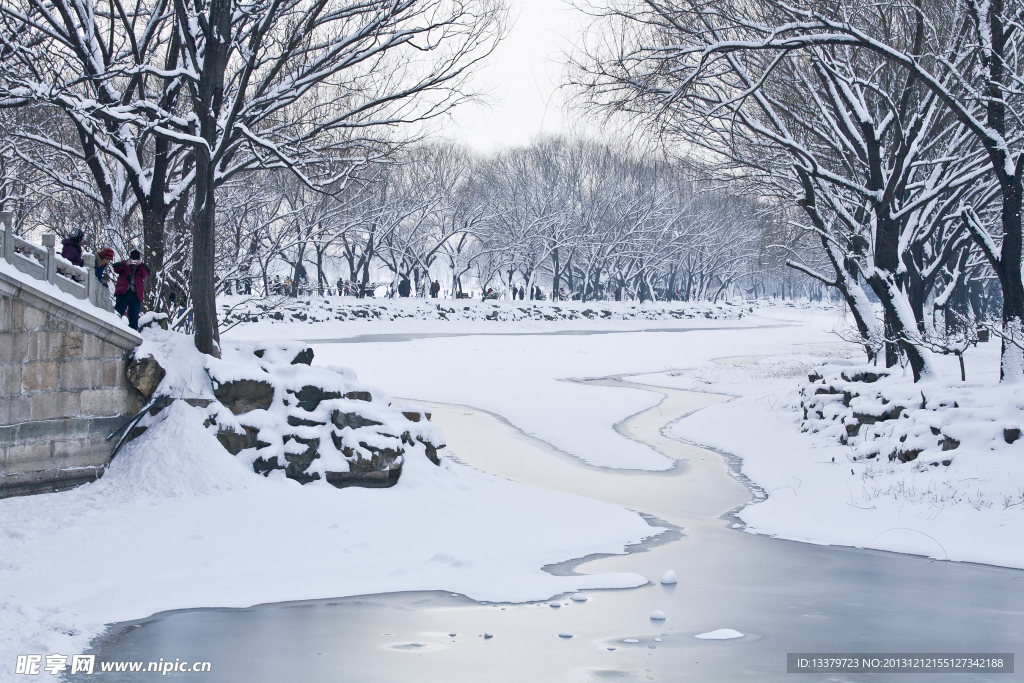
(177, 522)
(822, 491)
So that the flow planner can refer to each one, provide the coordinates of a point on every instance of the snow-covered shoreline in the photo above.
(179, 523)
(825, 492)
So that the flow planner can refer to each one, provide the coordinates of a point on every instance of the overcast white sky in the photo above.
(521, 80)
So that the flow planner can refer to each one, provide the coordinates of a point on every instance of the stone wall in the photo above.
(62, 389)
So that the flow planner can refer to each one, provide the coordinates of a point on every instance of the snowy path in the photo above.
(783, 596)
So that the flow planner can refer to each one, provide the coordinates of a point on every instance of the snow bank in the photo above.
(238, 310)
(839, 486)
(882, 415)
(177, 458)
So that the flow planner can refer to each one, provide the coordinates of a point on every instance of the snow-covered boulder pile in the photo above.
(881, 414)
(235, 310)
(267, 405)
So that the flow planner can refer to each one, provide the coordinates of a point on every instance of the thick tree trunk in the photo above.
(207, 97)
(204, 298)
(899, 320)
(555, 276)
(1012, 361)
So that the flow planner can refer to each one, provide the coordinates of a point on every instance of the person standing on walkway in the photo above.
(435, 287)
(128, 292)
(72, 247)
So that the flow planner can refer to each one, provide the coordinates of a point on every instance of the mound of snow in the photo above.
(174, 458)
(669, 578)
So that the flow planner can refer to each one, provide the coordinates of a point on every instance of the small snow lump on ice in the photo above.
(669, 578)
(720, 634)
(657, 615)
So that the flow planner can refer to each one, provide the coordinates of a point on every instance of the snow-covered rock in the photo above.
(267, 405)
(309, 310)
(890, 418)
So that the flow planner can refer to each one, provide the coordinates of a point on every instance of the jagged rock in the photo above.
(298, 463)
(197, 402)
(431, 450)
(890, 414)
(907, 456)
(234, 443)
(309, 397)
(380, 459)
(866, 376)
(353, 420)
(262, 466)
(294, 421)
(158, 320)
(242, 395)
(304, 357)
(371, 480)
(1011, 434)
(359, 396)
(949, 443)
(145, 374)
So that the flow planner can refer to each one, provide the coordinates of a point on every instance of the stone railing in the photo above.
(44, 263)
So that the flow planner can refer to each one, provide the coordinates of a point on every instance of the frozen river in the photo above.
(783, 596)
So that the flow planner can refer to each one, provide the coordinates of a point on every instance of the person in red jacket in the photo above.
(128, 292)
